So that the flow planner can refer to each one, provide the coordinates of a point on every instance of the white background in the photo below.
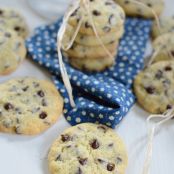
(28, 155)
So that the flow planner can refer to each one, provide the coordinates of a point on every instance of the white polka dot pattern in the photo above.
(104, 97)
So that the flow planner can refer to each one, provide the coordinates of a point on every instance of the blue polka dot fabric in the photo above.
(104, 97)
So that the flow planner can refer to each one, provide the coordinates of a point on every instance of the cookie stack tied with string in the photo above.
(95, 29)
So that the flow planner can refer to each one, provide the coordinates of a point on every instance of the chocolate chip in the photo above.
(172, 52)
(106, 29)
(100, 160)
(8, 106)
(96, 13)
(25, 88)
(1, 12)
(65, 137)
(79, 171)
(111, 19)
(149, 4)
(95, 144)
(150, 89)
(87, 25)
(110, 166)
(83, 161)
(103, 128)
(111, 144)
(44, 103)
(43, 115)
(119, 160)
(126, 2)
(159, 74)
(58, 158)
(108, 3)
(168, 68)
(17, 28)
(40, 93)
(169, 106)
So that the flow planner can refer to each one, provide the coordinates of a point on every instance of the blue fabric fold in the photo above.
(103, 97)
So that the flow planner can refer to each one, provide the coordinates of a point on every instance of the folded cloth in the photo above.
(103, 97)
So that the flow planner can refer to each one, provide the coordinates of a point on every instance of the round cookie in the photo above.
(88, 149)
(11, 19)
(166, 25)
(164, 45)
(88, 64)
(12, 51)
(106, 14)
(133, 9)
(154, 87)
(88, 40)
(80, 51)
(28, 106)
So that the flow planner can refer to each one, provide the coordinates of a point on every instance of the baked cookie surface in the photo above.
(133, 9)
(80, 51)
(106, 14)
(88, 149)
(166, 26)
(12, 51)
(96, 65)
(88, 40)
(154, 87)
(11, 19)
(28, 106)
(164, 46)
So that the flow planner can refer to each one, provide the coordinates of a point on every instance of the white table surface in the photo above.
(26, 155)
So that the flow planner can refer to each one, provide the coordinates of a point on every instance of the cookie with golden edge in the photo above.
(154, 87)
(28, 106)
(88, 149)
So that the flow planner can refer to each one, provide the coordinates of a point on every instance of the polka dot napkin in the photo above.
(104, 97)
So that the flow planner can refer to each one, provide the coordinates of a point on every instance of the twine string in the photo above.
(60, 35)
(151, 134)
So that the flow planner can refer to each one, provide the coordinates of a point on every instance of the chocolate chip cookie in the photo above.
(164, 46)
(166, 26)
(88, 149)
(133, 9)
(28, 106)
(12, 51)
(11, 19)
(87, 40)
(106, 14)
(80, 51)
(154, 87)
(93, 64)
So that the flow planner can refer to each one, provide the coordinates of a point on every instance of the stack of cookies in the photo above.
(87, 52)
(13, 31)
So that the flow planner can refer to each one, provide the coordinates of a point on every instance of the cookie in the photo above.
(106, 14)
(164, 45)
(80, 51)
(88, 149)
(12, 51)
(154, 87)
(88, 40)
(28, 106)
(97, 64)
(11, 19)
(166, 26)
(133, 9)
